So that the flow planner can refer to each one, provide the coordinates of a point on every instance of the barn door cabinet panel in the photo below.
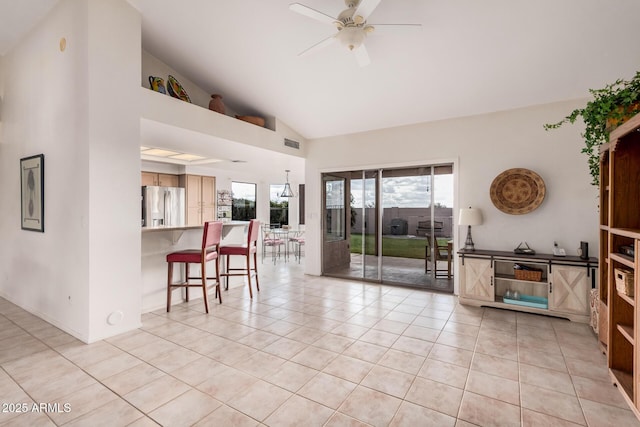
(569, 289)
(476, 279)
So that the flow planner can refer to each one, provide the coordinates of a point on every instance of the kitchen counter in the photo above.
(226, 227)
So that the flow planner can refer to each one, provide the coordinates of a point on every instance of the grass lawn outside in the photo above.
(400, 246)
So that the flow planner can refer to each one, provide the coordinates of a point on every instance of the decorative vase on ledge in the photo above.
(157, 84)
(216, 104)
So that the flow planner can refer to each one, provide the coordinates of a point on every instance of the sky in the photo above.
(406, 192)
(402, 192)
(243, 190)
(275, 190)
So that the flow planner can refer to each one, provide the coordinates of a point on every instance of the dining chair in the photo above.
(297, 241)
(271, 240)
(248, 250)
(209, 251)
(441, 252)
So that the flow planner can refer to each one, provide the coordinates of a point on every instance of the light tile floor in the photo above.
(310, 351)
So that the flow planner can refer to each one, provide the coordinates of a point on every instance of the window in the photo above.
(278, 206)
(243, 206)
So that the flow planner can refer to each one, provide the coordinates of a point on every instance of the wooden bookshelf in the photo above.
(619, 228)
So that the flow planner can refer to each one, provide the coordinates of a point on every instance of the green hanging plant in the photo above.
(610, 107)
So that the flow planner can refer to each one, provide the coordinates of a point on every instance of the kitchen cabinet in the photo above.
(160, 179)
(200, 198)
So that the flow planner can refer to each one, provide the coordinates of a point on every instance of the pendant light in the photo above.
(287, 188)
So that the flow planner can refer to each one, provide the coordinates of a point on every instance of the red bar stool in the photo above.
(245, 250)
(209, 252)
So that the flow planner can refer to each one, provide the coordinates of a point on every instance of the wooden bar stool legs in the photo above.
(247, 250)
(186, 284)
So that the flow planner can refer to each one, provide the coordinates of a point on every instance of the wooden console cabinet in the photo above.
(619, 245)
(487, 279)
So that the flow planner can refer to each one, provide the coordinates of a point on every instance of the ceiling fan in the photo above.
(352, 26)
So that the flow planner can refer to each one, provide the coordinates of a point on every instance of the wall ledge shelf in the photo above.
(164, 109)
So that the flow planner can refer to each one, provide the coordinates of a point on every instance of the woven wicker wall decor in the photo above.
(517, 191)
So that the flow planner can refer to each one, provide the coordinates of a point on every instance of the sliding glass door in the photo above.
(398, 225)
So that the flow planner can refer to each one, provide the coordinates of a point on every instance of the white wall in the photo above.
(482, 147)
(74, 107)
(114, 175)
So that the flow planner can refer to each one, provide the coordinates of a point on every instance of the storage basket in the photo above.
(624, 281)
(531, 275)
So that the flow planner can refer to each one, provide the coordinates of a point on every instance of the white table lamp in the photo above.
(470, 216)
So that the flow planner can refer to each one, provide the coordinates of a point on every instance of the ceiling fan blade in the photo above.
(312, 13)
(362, 56)
(318, 46)
(366, 7)
(395, 28)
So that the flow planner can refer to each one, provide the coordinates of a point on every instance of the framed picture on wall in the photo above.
(32, 192)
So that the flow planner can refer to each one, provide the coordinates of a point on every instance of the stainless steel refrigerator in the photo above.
(163, 206)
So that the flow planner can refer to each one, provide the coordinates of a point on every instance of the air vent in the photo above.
(291, 143)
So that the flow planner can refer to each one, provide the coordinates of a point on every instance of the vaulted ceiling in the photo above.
(470, 57)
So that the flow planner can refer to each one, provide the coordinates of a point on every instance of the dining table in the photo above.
(285, 234)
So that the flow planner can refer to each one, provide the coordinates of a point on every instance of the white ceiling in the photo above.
(470, 57)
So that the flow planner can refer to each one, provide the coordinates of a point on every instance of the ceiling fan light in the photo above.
(351, 37)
